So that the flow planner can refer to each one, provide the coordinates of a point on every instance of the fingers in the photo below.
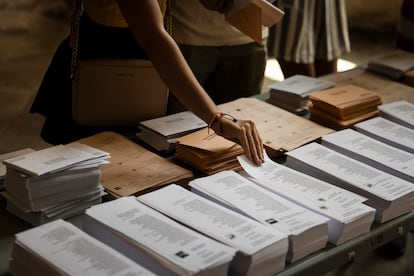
(243, 132)
(257, 140)
(248, 137)
(252, 143)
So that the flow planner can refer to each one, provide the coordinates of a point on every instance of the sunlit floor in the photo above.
(274, 73)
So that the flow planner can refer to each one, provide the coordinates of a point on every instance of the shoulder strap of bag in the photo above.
(168, 18)
(74, 36)
(74, 32)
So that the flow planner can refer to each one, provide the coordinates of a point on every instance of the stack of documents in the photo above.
(261, 250)
(292, 93)
(388, 132)
(372, 152)
(393, 65)
(9, 155)
(208, 152)
(155, 241)
(389, 195)
(60, 248)
(343, 106)
(307, 231)
(400, 112)
(55, 182)
(348, 216)
(162, 133)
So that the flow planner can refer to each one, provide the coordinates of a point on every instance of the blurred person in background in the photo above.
(226, 62)
(311, 37)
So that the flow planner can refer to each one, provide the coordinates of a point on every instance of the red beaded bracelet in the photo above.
(219, 116)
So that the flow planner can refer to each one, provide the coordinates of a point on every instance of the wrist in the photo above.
(216, 122)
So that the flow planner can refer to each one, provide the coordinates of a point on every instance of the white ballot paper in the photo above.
(54, 159)
(300, 85)
(171, 125)
(349, 170)
(344, 208)
(383, 190)
(307, 231)
(388, 132)
(59, 248)
(189, 208)
(372, 152)
(238, 231)
(256, 202)
(401, 112)
(299, 186)
(154, 240)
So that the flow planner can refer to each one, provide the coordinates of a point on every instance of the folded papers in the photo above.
(208, 152)
(343, 106)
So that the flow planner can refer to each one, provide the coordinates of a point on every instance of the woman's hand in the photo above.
(243, 132)
(221, 6)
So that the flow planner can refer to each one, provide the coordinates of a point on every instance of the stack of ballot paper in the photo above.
(307, 231)
(9, 155)
(372, 152)
(60, 248)
(55, 182)
(394, 64)
(389, 195)
(155, 241)
(388, 132)
(343, 106)
(162, 133)
(400, 112)
(348, 216)
(292, 93)
(208, 152)
(261, 250)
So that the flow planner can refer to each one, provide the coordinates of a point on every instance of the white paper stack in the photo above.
(62, 210)
(400, 112)
(388, 132)
(389, 195)
(372, 152)
(60, 248)
(162, 133)
(292, 93)
(306, 230)
(157, 242)
(393, 65)
(261, 249)
(56, 182)
(9, 155)
(348, 216)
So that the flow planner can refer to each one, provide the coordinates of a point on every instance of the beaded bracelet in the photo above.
(219, 116)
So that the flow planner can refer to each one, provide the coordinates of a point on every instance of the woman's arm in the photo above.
(145, 19)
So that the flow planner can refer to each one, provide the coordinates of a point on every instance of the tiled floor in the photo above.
(30, 30)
